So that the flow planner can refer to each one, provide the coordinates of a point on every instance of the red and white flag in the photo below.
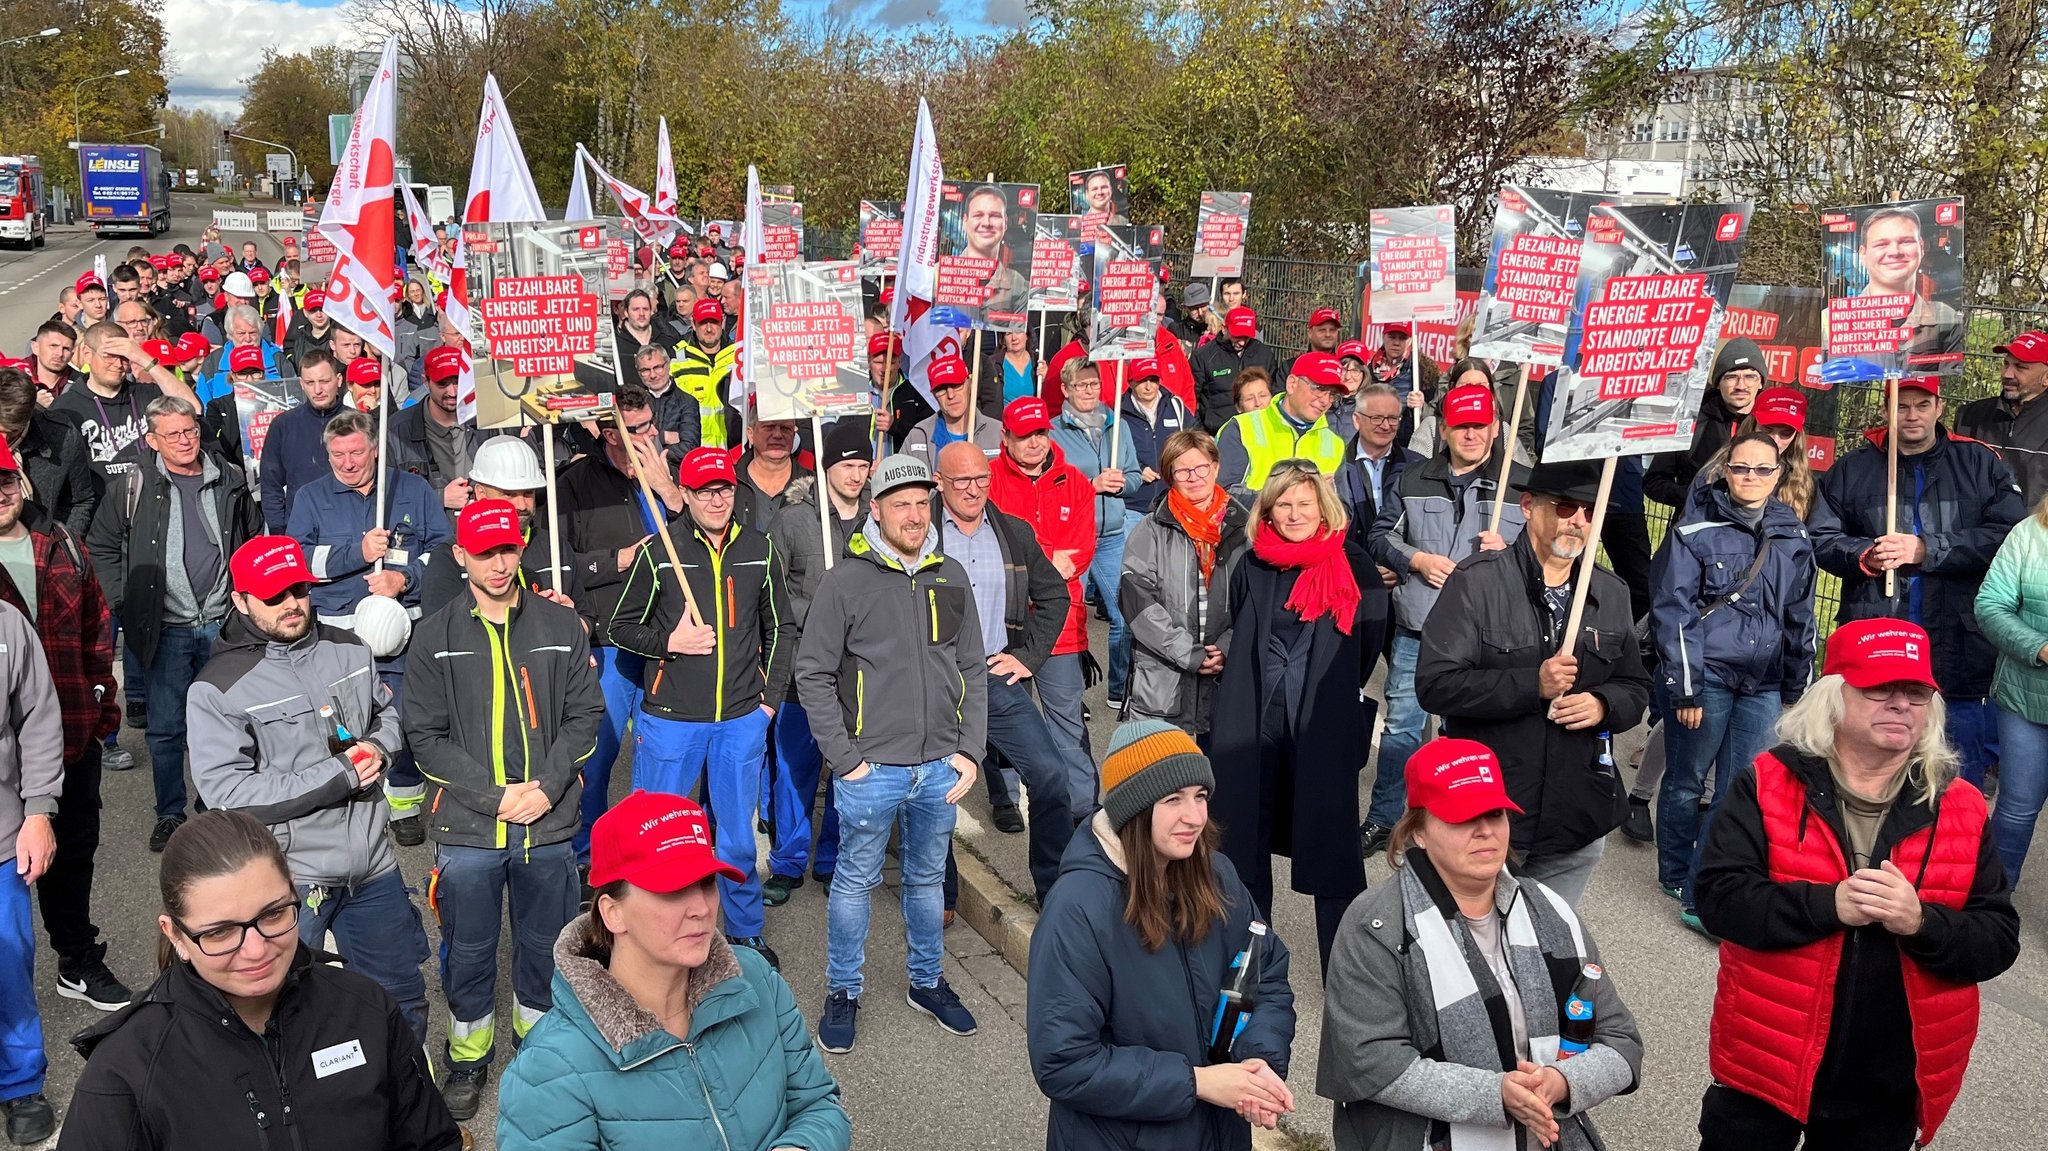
(425, 252)
(917, 261)
(647, 221)
(579, 190)
(500, 185)
(665, 188)
(362, 287)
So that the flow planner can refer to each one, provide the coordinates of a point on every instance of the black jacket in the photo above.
(2021, 438)
(1869, 1052)
(54, 459)
(178, 1069)
(1035, 599)
(1215, 366)
(1961, 500)
(742, 593)
(1481, 647)
(600, 513)
(486, 706)
(445, 580)
(1361, 499)
(1671, 476)
(128, 550)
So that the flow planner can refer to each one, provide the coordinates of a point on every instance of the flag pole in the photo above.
(1587, 558)
(973, 388)
(1507, 456)
(383, 438)
(824, 492)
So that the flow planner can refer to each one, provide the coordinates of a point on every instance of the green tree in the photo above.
(288, 100)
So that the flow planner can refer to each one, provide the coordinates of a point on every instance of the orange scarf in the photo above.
(1203, 525)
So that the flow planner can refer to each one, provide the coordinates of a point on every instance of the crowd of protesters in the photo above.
(352, 641)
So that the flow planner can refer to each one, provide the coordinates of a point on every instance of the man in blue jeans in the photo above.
(893, 675)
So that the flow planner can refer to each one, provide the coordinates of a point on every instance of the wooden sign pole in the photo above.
(1587, 558)
(547, 440)
(1891, 474)
(824, 491)
(1507, 455)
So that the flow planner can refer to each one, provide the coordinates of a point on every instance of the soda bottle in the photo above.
(1240, 996)
(335, 719)
(1607, 755)
(1577, 1033)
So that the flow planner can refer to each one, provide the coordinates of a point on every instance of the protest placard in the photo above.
(782, 232)
(1893, 274)
(812, 353)
(1124, 291)
(984, 275)
(1413, 272)
(1056, 271)
(1786, 323)
(1101, 197)
(881, 234)
(538, 300)
(1532, 268)
(258, 403)
(1221, 223)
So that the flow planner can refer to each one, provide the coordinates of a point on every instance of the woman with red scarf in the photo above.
(1307, 615)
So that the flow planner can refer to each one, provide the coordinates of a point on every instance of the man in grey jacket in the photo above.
(31, 779)
(289, 723)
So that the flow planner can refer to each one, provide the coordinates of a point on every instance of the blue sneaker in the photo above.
(940, 1003)
(837, 1026)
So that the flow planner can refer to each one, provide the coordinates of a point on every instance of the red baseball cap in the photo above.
(161, 263)
(7, 461)
(1353, 350)
(314, 302)
(258, 276)
(946, 372)
(680, 250)
(1780, 408)
(1321, 316)
(1026, 416)
(1318, 368)
(209, 272)
(86, 281)
(251, 360)
(365, 371)
(267, 565)
(656, 842)
(488, 524)
(1241, 321)
(1929, 384)
(704, 467)
(880, 343)
(163, 351)
(1143, 369)
(707, 308)
(193, 346)
(1469, 404)
(2027, 348)
(1871, 652)
(444, 363)
(887, 297)
(1398, 328)
(1457, 780)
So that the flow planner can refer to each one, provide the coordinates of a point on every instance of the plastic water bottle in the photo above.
(1240, 997)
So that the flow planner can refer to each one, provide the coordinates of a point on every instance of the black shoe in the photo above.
(1007, 818)
(1638, 826)
(30, 1119)
(776, 888)
(138, 715)
(758, 944)
(463, 1091)
(114, 757)
(824, 881)
(589, 894)
(161, 833)
(408, 832)
(93, 983)
(1372, 839)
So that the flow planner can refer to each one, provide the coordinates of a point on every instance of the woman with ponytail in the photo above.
(1308, 614)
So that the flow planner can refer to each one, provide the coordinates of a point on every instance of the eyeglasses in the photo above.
(1194, 473)
(1760, 471)
(1916, 694)
(1085, 386)
(178, 437)
(965, 483)
(1566, 509)
(275, 922)
(716, 493)
(10, 482)
(1381, 420)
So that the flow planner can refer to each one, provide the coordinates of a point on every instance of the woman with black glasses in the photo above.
(245, 1041)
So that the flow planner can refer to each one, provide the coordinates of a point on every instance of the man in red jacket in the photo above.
(1029, 479)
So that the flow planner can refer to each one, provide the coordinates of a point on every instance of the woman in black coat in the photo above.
(1290, 730)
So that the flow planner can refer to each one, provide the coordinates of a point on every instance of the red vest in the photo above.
(1772, 1009)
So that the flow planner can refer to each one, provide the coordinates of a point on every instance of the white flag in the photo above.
(362, 287)
(665, 188)
(579, 191)
(917, 262)
(742, 386)
(500, 185)
(634, 205)
(425, 252)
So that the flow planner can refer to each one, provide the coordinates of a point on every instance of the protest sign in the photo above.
(1124, 292)
(1101, 197)
(1413, 273)
(881, 234)
(984, 272)
(782, 233)
(258, 403)
(1893, 274)
(1056, 271)
(1786, 323)
(537, 295)
(1220, 227)
(812, 354)
(1532, 268)
(1654, 281)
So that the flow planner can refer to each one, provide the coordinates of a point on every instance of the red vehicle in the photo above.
(24, 202)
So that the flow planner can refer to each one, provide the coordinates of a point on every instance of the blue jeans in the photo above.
(797, 765)
(1105, 574)
(22, 1059)
(1974, 731)
(180, 653)
(1059, 698)
(469, 892)
(1734, 728)
(869, 809)
(2022, 786)
(1402, 734)
(378, 930)
(670, 756)
(618, 674)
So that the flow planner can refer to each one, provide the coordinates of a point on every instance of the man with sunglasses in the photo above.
(289, 722)
(952, 422)
(712, 681)
(1491, 666)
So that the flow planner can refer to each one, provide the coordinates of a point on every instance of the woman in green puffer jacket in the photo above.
(663, 1035)
(2012, 612)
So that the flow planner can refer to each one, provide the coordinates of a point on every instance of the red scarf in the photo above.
(1326, 586)
(1203, 525)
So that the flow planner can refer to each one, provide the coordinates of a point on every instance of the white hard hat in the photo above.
(507, 464)
(717, 271)
(383, 625)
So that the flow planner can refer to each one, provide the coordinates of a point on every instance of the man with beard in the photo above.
(703, 365)
(290, 724)
(50, 361)
(2012, 421)
(1546, 715)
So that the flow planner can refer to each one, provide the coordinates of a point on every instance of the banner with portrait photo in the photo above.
(1221, 224)
(1124, 295)
(811, 353)
(985, 237)
(1532, 269)
(540, 316)
(1101, 197)
(1414, 276)
(1057, 271)
(1651, 297)
(1893, 274)
(881, 234)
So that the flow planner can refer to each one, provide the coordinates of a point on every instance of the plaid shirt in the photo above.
(71, 617)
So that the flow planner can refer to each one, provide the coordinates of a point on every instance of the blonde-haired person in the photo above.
(1448, 986)
(1308, 614)
(1854, 884)
(1779, 413)
(2012, 612)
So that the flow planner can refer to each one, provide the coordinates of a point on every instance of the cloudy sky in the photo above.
(218, 43)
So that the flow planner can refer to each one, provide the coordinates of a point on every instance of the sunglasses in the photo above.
(296, 591)
(1760, 471)
(1567, 509)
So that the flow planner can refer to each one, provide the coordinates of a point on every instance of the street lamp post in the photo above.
(272, 144)
(31, 36)
(77, 137)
